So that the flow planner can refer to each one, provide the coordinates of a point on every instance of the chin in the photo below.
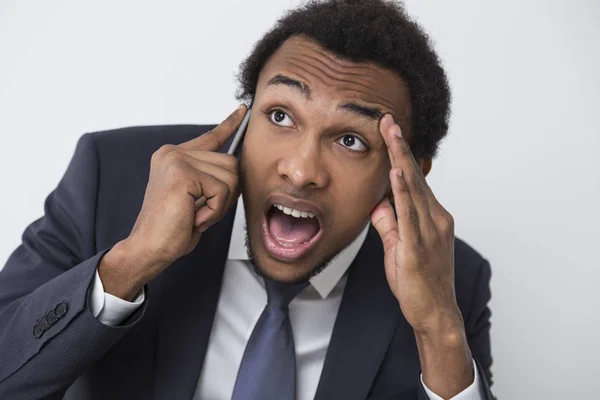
(282, 273)
(289, 236)
(267, 266)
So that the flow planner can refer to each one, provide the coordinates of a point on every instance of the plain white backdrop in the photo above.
(519, 170)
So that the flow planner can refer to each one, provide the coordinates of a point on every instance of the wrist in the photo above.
(445, 356)
(124, 270)
(450, 338)
(444, 323)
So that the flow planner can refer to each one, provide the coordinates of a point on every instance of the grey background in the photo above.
(519, 170)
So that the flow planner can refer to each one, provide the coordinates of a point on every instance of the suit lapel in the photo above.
(188, 296)
(366, 321)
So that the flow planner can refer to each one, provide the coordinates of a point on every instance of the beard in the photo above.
(261, 271)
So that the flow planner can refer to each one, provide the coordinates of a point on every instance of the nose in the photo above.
(303, 166)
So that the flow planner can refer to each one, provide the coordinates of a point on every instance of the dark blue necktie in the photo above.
(268, 368)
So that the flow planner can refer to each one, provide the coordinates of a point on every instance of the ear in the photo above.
(425, 164)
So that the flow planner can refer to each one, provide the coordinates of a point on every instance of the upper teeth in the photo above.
(294, 213)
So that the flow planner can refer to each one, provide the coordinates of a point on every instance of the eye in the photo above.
(280, 118)
(352, 143)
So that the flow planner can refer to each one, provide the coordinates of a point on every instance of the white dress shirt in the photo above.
(242, 300)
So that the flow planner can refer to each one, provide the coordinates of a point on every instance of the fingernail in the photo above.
(399, 173)
(241, 106)
(387, 120)
(397, 131)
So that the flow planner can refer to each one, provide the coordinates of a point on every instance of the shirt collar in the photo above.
(326, 280)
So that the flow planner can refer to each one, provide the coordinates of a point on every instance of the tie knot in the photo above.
(280, 294)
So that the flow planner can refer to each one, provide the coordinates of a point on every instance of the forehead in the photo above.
(336, 79)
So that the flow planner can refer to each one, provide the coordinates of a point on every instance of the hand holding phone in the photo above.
(168, 225)
(237, 139)
(239, 134)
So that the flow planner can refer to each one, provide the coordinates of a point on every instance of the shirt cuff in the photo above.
(109, 309)
(473, 392)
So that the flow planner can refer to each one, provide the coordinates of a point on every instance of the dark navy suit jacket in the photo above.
(51, 346)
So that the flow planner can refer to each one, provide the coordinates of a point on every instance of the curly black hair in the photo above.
(377, 31)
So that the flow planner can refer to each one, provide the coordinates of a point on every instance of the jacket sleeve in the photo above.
(477, 325)
(48, 335)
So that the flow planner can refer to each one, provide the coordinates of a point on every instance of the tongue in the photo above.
(289, 230)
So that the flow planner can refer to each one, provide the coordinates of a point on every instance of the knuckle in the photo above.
(231, 161)
(417, 183)
(450, 219)
(172, 158)
(231, 183)
(412, 215)
(224, 188)
(405, 151)
(389, 238)
(166, 148)
(190, 185)
(162, 150)
(448, 226)
(403, 185)
(177, 170)
(445, 224)
(213, 142)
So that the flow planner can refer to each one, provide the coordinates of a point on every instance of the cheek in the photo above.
(358, 195)
(256, 164)
(254, 152)
(258, 142)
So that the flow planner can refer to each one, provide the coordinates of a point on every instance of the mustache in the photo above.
(298, 194)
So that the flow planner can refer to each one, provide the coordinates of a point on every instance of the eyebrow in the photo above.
(371, 113)
(282, 80)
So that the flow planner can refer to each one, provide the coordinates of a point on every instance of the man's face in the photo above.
(313, 145)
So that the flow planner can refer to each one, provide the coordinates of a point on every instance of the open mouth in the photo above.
(289, 233)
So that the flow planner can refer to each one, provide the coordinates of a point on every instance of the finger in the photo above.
(401, 157)
(383, 219)
(407, 214)
(201, 184)
(436, 210)
(217, 194)
(384, 125)
(217, 137)
(227, 161)
(435, 207)
(230, 178)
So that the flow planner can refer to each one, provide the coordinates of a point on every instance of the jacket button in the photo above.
(61, 309)
(43, 324)
(51, 317)
(37, 331)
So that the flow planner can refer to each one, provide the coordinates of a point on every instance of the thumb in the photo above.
(217, 137)
(384, 220)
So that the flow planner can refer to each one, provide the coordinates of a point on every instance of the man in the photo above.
(335, 274)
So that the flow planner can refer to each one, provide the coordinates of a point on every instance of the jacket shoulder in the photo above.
(472, 274)
(465, 255)
(144, 140)
(123, 159)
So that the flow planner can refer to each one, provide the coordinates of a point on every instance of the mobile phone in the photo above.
(237, 139)
(241, 131)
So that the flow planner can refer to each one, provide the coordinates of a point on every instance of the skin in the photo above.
(304, 153)
(303, 156)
